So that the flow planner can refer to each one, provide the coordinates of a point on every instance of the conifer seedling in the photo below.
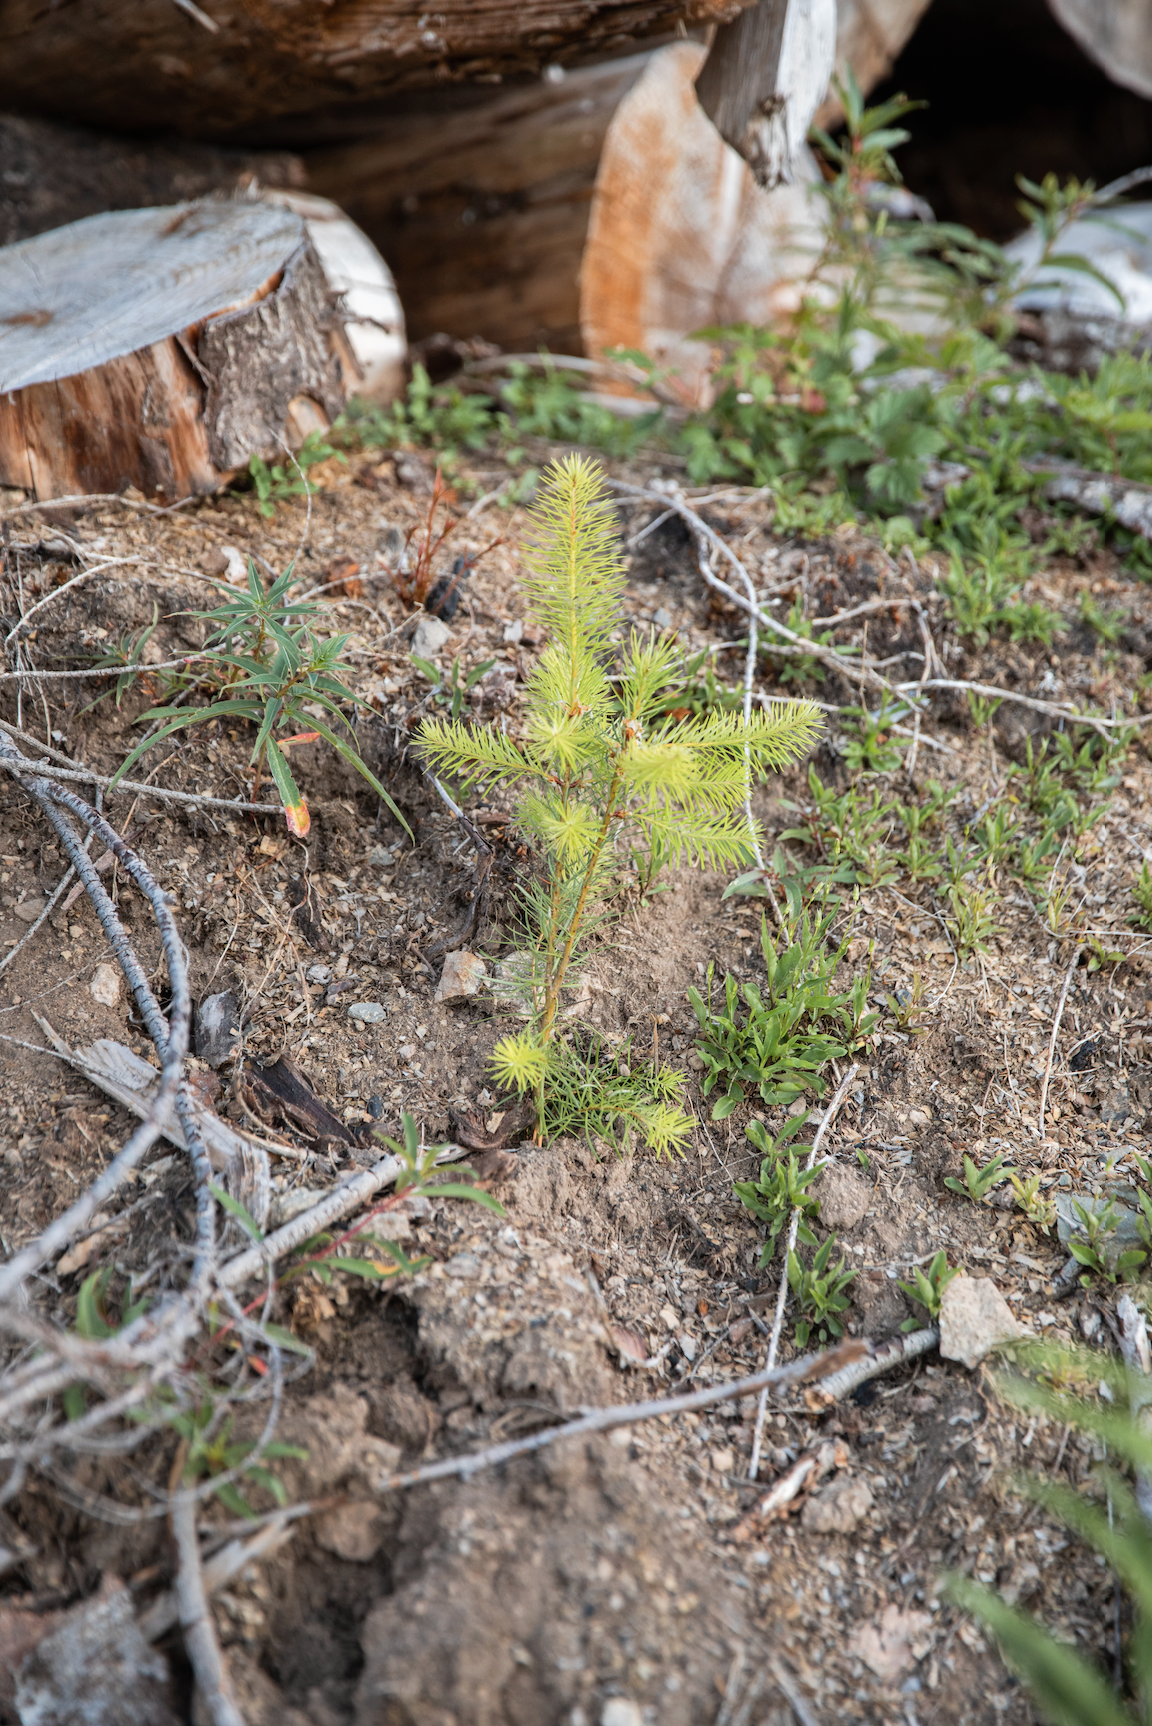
(601, 770)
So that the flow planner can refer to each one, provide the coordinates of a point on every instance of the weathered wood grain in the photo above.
(148, 64)
(162, 348)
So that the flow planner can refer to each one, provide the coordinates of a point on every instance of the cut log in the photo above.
(1114, 33)
(479, 201)
(56, 174)
(210, 70)
(163, 348)
(681, 236)
(765, 75)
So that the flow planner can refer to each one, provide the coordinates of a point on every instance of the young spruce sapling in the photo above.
(602, 768)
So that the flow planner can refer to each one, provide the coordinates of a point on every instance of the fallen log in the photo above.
(211, 70)
(162, 348)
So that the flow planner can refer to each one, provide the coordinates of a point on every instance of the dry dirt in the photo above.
(632, 1567)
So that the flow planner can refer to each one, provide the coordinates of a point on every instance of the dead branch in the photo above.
(229, 1561)
(345, 1198)
(816, 1369)
(200, 1640)
(854, 671)
(73, 773)
(32, 675)
(170, 1039)
(889, 1354)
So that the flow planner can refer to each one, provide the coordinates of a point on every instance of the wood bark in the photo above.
(765, 75)
(681, 237)
(163, 348)
(479, 202)
(150, 64)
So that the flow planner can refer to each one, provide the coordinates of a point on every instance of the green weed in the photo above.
(978, 1183)
(1142, 894)
(1096, 1224)
(972, 924)
(821, 1292)
(452, 689)
(267, 668)
(1037, 1207)
(927, 1287)
(1069, 1688)
(782, 1186)
(780, 1038)
(279, 484)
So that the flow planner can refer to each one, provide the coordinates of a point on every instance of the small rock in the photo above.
(463, 1265)
(838, 1508)
(663, 618)
(687, 1346)
(696, 1062)
(217, 1028)
(380, 857)
(352, 1531)
(893, 1644)
(844, 1197)
(95, 1669)
(670, 1317)
(974, 1317)
(367, 1012)
(514, 632)
(235, 566)
(408, 1051)
(29, 909)
(462, 976)
(1115, 1103)
(724, 1461)
(429, 638)
(319, 973)
(105, 984)
(412, 473)
(618, 1711)
(512, 983)
(376, 1107)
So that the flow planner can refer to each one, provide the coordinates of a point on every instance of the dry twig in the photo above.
(200, 1640)
(829, 1116)
(1068, 976)
(73, 773)
(815, 1369)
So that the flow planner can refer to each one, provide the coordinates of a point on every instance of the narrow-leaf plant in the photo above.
(266, 667)
(603, 769)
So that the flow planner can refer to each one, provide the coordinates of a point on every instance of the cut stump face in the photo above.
(162, 348)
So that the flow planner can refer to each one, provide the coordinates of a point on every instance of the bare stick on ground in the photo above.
(820, 1369)
(1068, 976)
(200, 1640)
(830, 1113)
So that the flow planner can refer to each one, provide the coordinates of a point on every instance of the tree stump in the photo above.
(162, 348)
